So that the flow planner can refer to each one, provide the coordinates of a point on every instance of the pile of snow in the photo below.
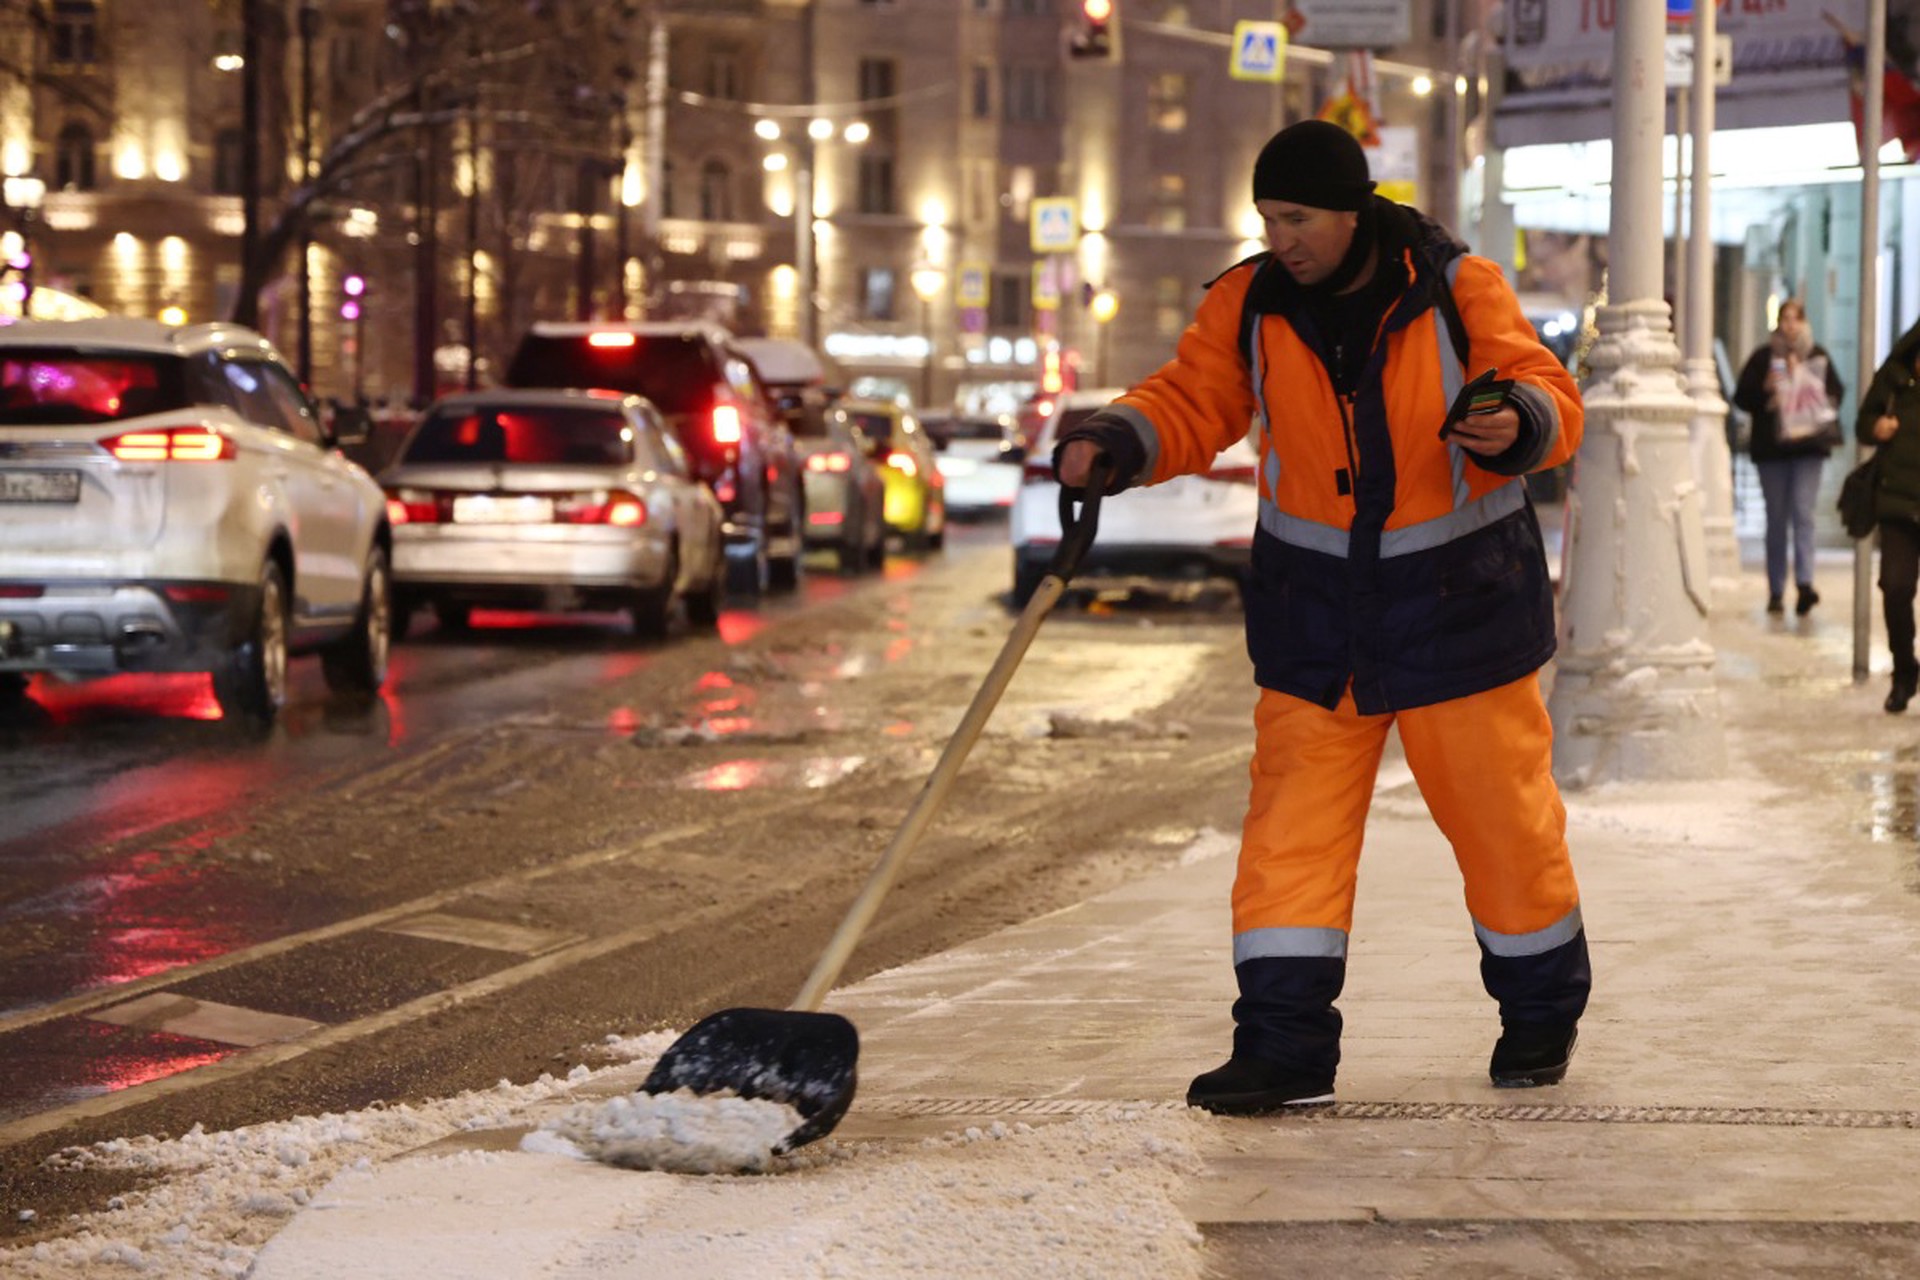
(1092, 1196)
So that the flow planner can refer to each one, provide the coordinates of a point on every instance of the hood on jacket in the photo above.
(1399, 229)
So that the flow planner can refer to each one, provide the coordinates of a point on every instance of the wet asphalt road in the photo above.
(548, 832)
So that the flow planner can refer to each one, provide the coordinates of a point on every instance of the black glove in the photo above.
(1116, 440)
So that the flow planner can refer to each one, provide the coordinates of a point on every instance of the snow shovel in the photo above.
(800, 1056)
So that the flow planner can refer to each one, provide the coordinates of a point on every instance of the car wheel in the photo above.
(13, 685)
(748, 571)
(453, 617)
(938, 538)
(356, 665)
(652, 607)
(251, 683)
(784, 573)
(1026, 581)
(400, 609)
(704, 605)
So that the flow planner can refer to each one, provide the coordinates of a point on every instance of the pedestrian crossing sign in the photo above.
(1056, 224)
(1259, 51)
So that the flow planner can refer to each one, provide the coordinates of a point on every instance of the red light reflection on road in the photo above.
(733, 775)
(116, 1074)
(738, 626)
(185, 696)
(714, 680)
(623, 721)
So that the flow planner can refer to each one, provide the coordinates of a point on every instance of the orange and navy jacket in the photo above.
(1387, 559)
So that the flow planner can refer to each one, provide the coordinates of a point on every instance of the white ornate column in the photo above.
(1633, 692)
(1712, 459)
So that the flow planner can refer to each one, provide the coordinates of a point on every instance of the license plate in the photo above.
(39, 486)
(487, 508)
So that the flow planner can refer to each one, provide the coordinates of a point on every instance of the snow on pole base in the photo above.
(1633, 690)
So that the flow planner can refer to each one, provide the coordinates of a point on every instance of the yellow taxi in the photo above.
(916, 494)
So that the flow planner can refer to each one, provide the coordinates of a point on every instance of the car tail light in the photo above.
(411, 506)
(21, 591)
(903, 462)
(175, 444)
(835, 461)
(196, 593)
(615, 507)
(1247, 474)
(610, 340)
(826, 517)
(1037, 471)
(726, 424)
(725, 489)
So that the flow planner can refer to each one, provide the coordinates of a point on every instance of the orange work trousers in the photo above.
(1484, 766)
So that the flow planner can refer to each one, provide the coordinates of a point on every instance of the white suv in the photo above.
(1187, 530)
(170, 500)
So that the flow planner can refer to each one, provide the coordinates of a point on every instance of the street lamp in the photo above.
(927, 280)
(24, 195)
(1104, 305)
(805, 241)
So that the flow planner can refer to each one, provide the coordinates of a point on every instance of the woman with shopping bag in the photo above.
(1790, 390)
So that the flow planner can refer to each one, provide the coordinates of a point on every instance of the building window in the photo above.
(229, 146)
(1169, 307)
(1029, 95)
(1169, 202)
(1167, 103)
(1030, 8)
(1174, 14)
(71, 30)
(665, 194)
(876, 78)
(982, 95)
(1007, 300)
(877, 294)
(723, 75)
(716, 192)
(73, 159)
(876, 184)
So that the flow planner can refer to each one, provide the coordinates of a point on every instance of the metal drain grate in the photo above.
(1776, 1117)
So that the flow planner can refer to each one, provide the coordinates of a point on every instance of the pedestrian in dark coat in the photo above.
(1889, 419)
(1788, 461)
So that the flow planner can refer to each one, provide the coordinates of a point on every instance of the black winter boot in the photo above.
(1251, 1087)
(1901, 694)
(1529, 1055)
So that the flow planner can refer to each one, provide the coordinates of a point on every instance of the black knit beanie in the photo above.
(1315, 163)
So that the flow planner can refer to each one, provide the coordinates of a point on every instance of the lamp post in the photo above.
(805, 238)
(927, 281)
(1104, 306)
(309, 20)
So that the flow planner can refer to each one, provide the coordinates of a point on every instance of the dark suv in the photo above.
(714, 402)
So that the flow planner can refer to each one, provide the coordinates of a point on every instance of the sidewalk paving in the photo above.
(1742, 1102)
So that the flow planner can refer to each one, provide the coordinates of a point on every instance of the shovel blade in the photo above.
(805, 1060)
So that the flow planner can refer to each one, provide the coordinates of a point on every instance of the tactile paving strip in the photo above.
(1769, 1116)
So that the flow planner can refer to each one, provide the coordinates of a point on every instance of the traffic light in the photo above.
(354, 287)
(1093, 37)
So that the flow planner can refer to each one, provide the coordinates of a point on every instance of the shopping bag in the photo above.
(1805, 411)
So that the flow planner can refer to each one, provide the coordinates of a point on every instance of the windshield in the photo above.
(671, 370)
(56, 387)
(526, 436)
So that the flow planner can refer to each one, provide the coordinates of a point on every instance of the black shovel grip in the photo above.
(1076, 532)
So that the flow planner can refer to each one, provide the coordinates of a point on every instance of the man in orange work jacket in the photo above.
(1398, 578)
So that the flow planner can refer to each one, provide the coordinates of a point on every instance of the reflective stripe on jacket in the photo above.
(1385, 556)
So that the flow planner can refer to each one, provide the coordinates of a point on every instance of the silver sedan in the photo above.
(551, 500)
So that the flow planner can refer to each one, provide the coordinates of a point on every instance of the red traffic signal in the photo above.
(1093, 36)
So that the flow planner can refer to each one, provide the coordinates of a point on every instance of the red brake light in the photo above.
(175, 444)
(196, 593)
(610, 339)
(411, 506)
(902, 461)
(617, 507)
(21, 591)
(726, 424)
(835, 461)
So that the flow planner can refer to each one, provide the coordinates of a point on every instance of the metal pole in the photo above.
(803, 246)
(1633, 689)
(246, 307)
(926, 369)
(309, 23)
(1873, 119)
(1712, 459)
